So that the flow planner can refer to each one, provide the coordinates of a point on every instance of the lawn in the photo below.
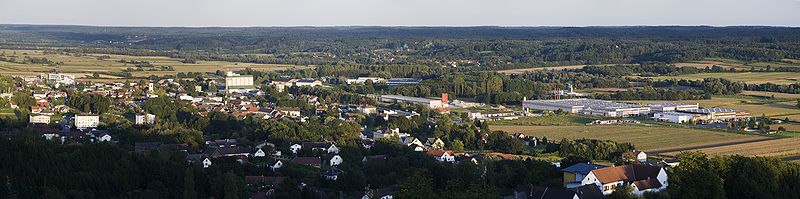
(7, 113)
(555, 120)
(747, 77)
(771, 94)
(643, 137)
(81, 66)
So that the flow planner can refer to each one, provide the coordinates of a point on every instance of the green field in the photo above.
(83, 66)
(643, 137)
(7, 113)
(554, 120)
(747, 77)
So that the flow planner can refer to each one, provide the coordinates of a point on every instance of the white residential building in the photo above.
(39, 119)
(87, 121)
(235, 83)
(145, 119)
(336, 160)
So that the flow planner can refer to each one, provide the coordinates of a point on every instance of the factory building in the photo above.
(672, 106)
(676, 117)
(430, 103)
(588, 107)
(235, 83)
(718, 114)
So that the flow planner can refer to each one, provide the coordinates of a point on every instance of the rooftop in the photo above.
(712, 110)
(589, 103)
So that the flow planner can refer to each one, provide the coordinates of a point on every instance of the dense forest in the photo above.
(485, 47)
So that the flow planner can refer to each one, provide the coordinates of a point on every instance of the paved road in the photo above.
(710, 145)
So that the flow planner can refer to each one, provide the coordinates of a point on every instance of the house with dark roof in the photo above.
(529, 191)
(374, 159)
(264, 181)
(641, 178)
(229, 152)
(442, 155)
(382, 193)
(635, 155)
(328, 147)
(308, 161)
(575, 173)
(332, 173)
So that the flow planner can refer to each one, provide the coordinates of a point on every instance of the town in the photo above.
(54, 113)
(399, 112)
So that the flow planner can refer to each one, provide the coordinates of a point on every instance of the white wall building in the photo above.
(235, 83)
(145, 119)
(675, 117)
(87, 121)
(430, 103)
(588, 107)
(361, 80)
(39, 119)
(672, 106)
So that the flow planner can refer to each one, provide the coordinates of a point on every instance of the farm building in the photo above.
(588, 107)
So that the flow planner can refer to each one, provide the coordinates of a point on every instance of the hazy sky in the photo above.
(400, 12)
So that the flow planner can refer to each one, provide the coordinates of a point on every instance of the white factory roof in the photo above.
(672, 113)
(712, 110)
(406, 98)
(663, 104)
(590, 103)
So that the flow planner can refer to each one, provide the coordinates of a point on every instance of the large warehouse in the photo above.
(672, 106)
(431, 103)
(719, 114)
(588, 107)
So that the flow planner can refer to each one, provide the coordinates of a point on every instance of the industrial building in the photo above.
(281, 84)
(676, 117)
(672, 106)
(235, 83)
(430, 103)
(361, 80)
(718, 114)
(588, 107)
(402, 81)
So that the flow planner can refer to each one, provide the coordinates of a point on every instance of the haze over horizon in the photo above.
(250, 13)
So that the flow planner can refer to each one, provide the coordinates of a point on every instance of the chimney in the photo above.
(444, 98)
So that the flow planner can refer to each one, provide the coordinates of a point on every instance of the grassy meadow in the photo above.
(83, 66)
(643, 137)
(747, 77)
(554, 120)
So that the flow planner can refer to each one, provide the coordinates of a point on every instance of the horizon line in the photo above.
(409, 26)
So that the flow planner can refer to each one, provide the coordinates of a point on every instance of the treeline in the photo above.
(593, 149)
(733, 177)
(770, 87)
(650, 93)
(89, 103)
(484, 47)
(89, 171)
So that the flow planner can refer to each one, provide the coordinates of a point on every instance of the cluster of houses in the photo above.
(580, 180)
(595, 181)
